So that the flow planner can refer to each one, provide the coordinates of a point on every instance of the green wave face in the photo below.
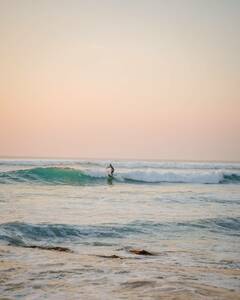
(232, 178)
(50, 175)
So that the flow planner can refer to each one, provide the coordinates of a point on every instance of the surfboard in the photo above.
(110, 179)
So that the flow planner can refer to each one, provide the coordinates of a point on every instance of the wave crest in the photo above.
(48, 175)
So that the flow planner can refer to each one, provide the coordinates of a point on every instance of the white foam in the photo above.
(164, 176)
(153, 176)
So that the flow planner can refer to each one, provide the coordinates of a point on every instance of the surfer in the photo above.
(111, 170)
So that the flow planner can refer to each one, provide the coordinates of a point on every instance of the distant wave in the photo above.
(121, 164)
(18, 233)
(71, 176)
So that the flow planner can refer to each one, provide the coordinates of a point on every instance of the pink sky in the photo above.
(120, 79)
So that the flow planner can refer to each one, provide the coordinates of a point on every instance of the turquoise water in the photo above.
(186, 214)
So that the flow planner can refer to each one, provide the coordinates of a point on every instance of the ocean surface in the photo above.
(69, 232)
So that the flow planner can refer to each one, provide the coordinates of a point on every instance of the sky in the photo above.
(127, 79)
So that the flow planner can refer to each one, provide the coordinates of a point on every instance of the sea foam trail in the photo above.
(71, 176)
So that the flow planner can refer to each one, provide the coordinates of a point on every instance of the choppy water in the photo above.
(186, 214)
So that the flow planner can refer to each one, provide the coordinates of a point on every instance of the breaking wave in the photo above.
(54, 175)
(71, 176)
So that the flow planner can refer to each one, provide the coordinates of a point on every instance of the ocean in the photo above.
(158, 230)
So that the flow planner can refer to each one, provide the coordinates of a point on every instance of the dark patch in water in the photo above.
(52, 248)
(141, 252)
(138, 283)
(110, 256)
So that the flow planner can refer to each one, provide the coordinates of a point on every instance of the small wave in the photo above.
(122, 164)
(17, 233)
(226, 225)
(71, 176)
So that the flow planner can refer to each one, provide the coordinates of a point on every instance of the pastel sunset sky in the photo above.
(150, 79)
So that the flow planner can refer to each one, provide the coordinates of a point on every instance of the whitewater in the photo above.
(68, 232)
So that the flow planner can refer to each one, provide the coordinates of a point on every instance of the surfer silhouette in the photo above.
(111, 170)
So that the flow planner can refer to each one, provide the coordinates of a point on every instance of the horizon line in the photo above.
(112, 158)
